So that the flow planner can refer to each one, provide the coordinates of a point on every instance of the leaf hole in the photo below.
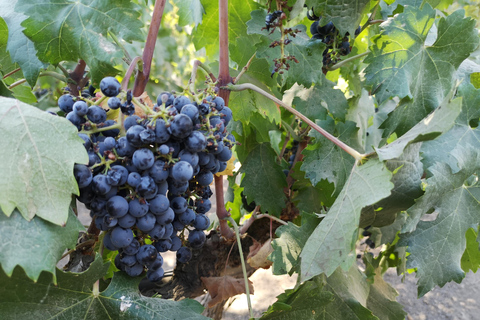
(473, 123)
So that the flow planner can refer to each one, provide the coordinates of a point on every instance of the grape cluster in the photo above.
(336, 45)
(148, 189)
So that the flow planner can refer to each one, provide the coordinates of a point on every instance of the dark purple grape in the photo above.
(100, 185)
(190, 157)
(157, 232)
(146, 223)
(135, 270)
(117, 206)
(121, 237)
(147, 136)
(203, 205)
(202, 222)
(190, 110)
(180, 101)
(181, 126)
(110, 86)
(218, 103)
(182, 171)
(75, 119)
(146, 254)
(204, 178)
(184, 255)
(130, 122)
(161, 132)
(107, 242)
(109, 143)
(117, 175)
(159, 204)
(143, 159)
(163, 149)
(176, 243)
(196, 238)
(166, 217)
(96, 114)
(226, 115)
(127, 221)
(163, 245)
(137, 208)
(87, 143)
(124, 148)
(114, 103)
(155, 275)
(178, 204)
(132, 248)
(165, 98)
(83, 175)
(128, 260)
(110, 221)
(158, 171)
(134, 179)
(225, 155)
(133, 135)
(65, 102)
(80, 108)
(187, 217)
(147, 187)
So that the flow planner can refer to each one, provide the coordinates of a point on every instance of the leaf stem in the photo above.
(10, 73)
(221, 212)
(244, 268)
(142, 106)
(128, 74)
(43, 74)
(354, 153)
(346, 61)
(141, 78)
(244, 69)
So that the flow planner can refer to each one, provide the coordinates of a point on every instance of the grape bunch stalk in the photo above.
(337, 45)
(147, 183)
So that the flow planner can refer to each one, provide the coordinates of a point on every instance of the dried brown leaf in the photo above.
(222, 288)
(259, 257)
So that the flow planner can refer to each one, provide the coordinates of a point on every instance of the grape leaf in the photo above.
(264, 179)
(381, 300)
(332, 244)
(206, 34)
(317, 100)
(21, 48)
(408, 187)
(72, 298)
(439, 121)
(37, 172)
(421, 75)
(360, 111)
(71, 30)
(346, 15)
(42, 244)
(471, 257)
(308, 54)
(189, 11)
(289, 243)
(461, 133)
(324, 160)
(343, 295)
(6, 64)
(456, 201)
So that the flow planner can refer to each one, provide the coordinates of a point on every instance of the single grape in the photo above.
(157, 263)
(143, 159)
(96, 114)
(191, 111)
(114, 103)
(187, 217)
(176, 243)
(196, 238)
(135, 270)
(121, 237)
(226, 115)
(202, 222)
(155, 275)
(163, 245)
(146, 223)
(75, 119)
(87, 143)
(161, 132)
(147, 136)
(146, 254)
(109, 143)
(166, 217)
(190, 157)
(178, 204)
(130, 122)
(137, 209)
(127, 108)
(184, 255)
(127, 221)
(110, 86)
(107, 242)
(182, 171)
(203, 205)
(204, 108)
(147, 187)
(158, 171)
(180, 101)
(159, 204)
(133, 135)
(204, 178)
(165, 98)
(157, 232)
(218, 103)
(225, 155)
(128, 260)
(80, 108)
(117, 175)
(117, 206)
(65, 103)
(124, 148)
(181, 126)
(134, 179)
(100, 185)
(132, 248)
(163, 149)
(83, 175)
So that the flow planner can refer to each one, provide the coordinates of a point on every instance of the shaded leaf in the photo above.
(289, 244)
(382, 300)
(439, 121)
(264, 179)
(324, 160)
(456, 201)
(21, 48)
(72, 298)
(222, 288)
(67, 30)
(37, 172)
(402, 64)
(42, 244)
(360, 111)
(189, 11)
(332, 244)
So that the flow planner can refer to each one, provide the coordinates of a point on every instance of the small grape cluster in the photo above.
(150, 187)
(336, 45)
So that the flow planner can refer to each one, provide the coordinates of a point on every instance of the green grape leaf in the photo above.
(67, 30)
(189, 11)
(343, 295)
(324, 160)
(471, 257)
(462, 133)
(307, 53)
(346, 15)
(21, 48)
(421, 74)
(317, 100)
(264, 179)
(332, 244)
(408, 172)
(381, 300)
(6, 64)
(37, 172)
(42, 245)
(289, 244)
(206, 34)
(360, 111)
(72, 298)
(439, 121)
(456, 200)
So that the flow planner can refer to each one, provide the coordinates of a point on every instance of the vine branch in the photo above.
(221, 212)
(141, 78)
(354, 153)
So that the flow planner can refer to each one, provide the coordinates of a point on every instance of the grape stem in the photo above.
(10, 73)
(142, 106)
(346, 61)
(244, 268)
(221, 212)
(128, 74)
(96, 129)
(43, 74)
(141, 77)
(245, 86)
(244, 69)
